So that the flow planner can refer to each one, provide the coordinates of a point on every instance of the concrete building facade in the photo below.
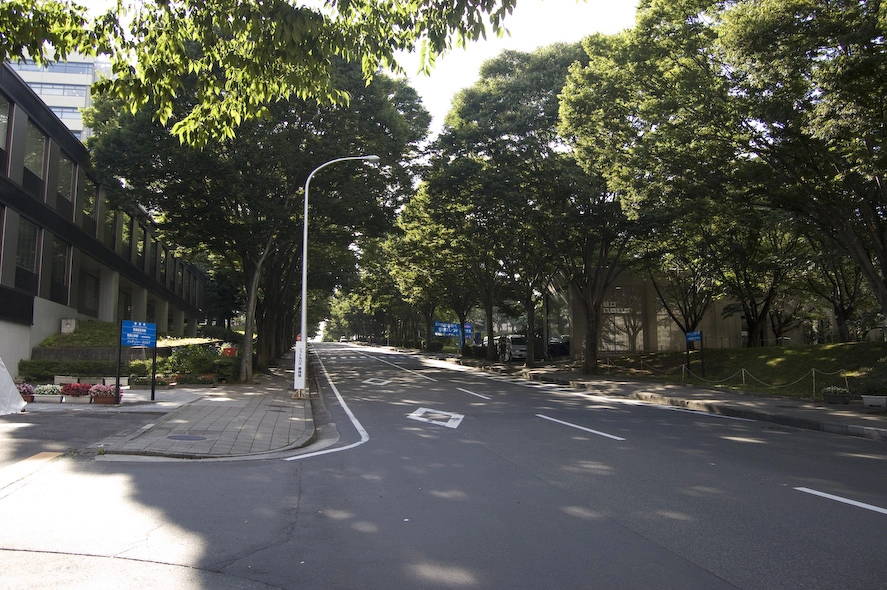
(65, 254)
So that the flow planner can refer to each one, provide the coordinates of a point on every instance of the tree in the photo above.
(812, 75)
(501, 141)
(241, 56)
(235, 197)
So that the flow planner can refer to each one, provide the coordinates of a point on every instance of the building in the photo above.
(65, 254)
(64, 87)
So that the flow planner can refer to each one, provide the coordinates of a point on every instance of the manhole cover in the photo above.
(186, 437)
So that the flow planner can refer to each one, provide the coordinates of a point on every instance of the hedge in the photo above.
(43, 371)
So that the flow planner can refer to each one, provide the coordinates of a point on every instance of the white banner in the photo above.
(300, 366)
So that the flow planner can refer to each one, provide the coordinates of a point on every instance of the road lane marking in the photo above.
(453, 420)
(474, 394)
(843, 500)
(364, 435)
(402, 368)
(597, 432)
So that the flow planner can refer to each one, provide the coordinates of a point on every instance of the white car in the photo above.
(515, 347)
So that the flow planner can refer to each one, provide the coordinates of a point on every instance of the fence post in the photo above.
(813, 372)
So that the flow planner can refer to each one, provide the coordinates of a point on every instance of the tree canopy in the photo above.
(240, 55)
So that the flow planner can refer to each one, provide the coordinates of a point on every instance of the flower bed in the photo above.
(76, 389)
(103, 391)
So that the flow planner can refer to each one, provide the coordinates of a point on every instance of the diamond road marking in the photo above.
(437, 417)
(374, 381)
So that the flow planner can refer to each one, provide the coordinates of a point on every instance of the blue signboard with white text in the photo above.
(450, 329)
(138, 334)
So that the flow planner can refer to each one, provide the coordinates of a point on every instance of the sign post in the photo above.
(141, 334)
(299, 369)
(696, 337)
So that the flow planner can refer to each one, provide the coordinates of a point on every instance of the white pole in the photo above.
(302, 342)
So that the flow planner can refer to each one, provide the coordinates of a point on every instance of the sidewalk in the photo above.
(853, 419)
(255, 421)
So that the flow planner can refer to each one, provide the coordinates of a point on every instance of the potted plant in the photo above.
(836, 395)
(48, 393)
(76, 393)
(104, 394)
(27, 391)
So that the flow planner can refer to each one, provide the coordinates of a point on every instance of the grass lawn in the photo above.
(790, 371)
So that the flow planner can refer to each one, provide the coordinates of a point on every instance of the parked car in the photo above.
(515, 347)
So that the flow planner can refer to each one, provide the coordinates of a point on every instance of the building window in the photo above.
(140, 245)
(163, 276)
(26, 250)
(4, 129)
(65, 189)
(126, 236)
(66, 112)
(35, 159)
(47, 89)
(62, 67)
(110, 227)
(87, 205)
(89, 294)
(152, 256)
(59, 271)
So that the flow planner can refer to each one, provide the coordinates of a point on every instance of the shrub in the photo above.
(435, 347)
(194, 379)
(141, 368)
(835, 390)
(76, 389)
(193, 359)
(45, 370)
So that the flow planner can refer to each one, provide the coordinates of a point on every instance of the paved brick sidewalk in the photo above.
(234, 421)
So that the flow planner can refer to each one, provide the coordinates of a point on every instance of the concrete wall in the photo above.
(15, 345)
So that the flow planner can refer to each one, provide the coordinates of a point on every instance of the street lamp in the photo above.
(301, 343)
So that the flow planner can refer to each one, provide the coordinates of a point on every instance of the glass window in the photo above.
(4, 121)
(27, 247)
(110, 236)
(140, 245)
(66, 177)
(58, 284)
(89, 294)
(26, 250)
(35, 150)
(87, 200)
(126, 235)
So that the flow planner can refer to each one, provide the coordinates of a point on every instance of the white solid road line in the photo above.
(597, 432)
(843, 500)
(474, 394)
(364, 435)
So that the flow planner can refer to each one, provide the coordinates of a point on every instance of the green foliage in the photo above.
(42, 371)
(87, 335)
(242, 55)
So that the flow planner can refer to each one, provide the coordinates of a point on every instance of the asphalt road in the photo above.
(428, 476)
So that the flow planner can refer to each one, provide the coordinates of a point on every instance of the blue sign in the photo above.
(138, 334)
(694, 336)
(450, 329)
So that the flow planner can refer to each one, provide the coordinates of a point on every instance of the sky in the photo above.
(532, 24)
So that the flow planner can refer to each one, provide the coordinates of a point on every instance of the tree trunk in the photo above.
(530, 309)
(253, 273)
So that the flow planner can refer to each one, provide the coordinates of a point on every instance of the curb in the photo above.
(724, 409)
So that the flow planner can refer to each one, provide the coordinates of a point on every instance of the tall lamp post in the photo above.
(301, 344)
